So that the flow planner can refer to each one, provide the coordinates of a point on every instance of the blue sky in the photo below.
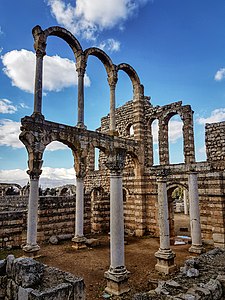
(176, 47)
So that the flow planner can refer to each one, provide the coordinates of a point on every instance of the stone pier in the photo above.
(31, 248)
(165, 256)
(196, 237)
(79, 239)
(117, 275)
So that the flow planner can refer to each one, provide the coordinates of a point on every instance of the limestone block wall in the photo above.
(56, 216)
(12, 227)
(215, 143)
(25, 278)
(13, 203)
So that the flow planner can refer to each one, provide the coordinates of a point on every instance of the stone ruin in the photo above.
(202, 277)
(26, 279)
(128, 190)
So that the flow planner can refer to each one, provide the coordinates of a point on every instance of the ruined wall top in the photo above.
(215, 144)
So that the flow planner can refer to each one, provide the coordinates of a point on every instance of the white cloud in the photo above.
(110, 45)
(217, 115)
(202, 150)
(174, 131)
(9, 136)
(19, 66)
(220, 74)
(50, 176)
(87, 18)
(23, 105)
(6, 107)
(56, 146)
(9, 133)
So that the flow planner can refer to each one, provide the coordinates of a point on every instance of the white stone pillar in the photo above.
(117, 275)
(185, 202)
(112, 126)
(196, 246)
(116, 222)
(79, 208)
(32, 246)
(163, 213)
(79, 239)
(165, 256)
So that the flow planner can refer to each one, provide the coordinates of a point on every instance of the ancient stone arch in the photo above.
(37, 133)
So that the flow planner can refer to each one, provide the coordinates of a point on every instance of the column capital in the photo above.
(39, 41)
(112, 79)
(34, 168)
(81, 67)
(115, 161)
(80, 169)
(192, 169)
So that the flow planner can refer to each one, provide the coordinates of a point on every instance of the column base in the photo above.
(117, 281)
(81, 125)
(165, 261)
(196, 249)
(79, 242)
(31, 250)
(38, 116)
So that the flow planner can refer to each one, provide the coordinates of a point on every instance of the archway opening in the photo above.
(97, 96)
(179, 222)
(175, 140)
(155, 141)
(60, 80)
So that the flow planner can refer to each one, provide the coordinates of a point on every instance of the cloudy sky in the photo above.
(176, 47)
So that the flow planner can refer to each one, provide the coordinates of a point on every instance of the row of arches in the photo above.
(81, 57)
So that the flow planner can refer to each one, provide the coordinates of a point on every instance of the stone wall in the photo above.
(215, 143)
(27, 279)
(140, 187)
(56, 216)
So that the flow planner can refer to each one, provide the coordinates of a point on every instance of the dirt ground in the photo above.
(91, 263)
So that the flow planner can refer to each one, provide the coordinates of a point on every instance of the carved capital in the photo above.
(116, 160)
(34, 166)
(81, 66)
(112, 79)
(80, 168)
(39, 41)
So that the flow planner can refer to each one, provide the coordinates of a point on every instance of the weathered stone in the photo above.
(53, 240)
(2, 267)
(92, 242)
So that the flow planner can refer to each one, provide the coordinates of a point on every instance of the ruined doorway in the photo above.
(179, 222)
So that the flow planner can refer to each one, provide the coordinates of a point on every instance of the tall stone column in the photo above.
(165, 256)
(117, 275)
(196, 246)
(79, 239)
(80, 67)
(112, 80)
(31, 248)
(185, 202)
(39, 46)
